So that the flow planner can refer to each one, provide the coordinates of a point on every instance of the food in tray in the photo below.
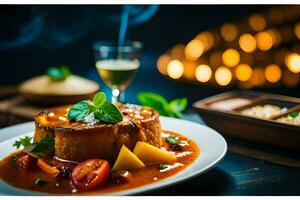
(264, 111)
(230, 104)
(59, 84)
(292, 118)
(96, 147)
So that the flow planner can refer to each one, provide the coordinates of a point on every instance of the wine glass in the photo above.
(117, 64)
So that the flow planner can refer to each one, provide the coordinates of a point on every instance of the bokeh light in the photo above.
(177, 52)
(223, 76)
(243, 72)
(162, 63)
(264, 41)
(297, 30)
(273, 73)
(203, 73)
(206, 38)
(247, 42)
(193, 50)
(189, 69)
(257, 22)
(215, 59)
(258, 76)
(276, 37)
(175, 69)
(292, 61)
(231, 57)
(229, 32)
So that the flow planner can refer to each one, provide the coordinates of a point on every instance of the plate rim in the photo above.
(136, 190)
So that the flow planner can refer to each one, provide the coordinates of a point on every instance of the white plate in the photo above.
(212, 146)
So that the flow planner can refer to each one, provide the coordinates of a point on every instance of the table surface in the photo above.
(239, 175)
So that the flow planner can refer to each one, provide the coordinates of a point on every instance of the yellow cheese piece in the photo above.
(152, 155)
(127, 161)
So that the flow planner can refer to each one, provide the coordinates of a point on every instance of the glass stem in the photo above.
(115, 97)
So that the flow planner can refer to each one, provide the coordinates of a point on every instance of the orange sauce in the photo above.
(150, 174)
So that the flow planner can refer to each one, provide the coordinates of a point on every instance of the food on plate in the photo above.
(96, 147)
(263, 111)
(230, 104)
(292, 118)
(57, 87)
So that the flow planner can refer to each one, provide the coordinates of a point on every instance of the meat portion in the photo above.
(79, 141)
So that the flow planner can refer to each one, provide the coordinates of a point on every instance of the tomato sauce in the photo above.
(25, 179)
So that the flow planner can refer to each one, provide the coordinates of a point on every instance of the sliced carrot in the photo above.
(47, 168)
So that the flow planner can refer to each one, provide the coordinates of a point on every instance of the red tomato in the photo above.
(90, 174)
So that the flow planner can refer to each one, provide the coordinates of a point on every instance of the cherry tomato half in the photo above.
(90, 174)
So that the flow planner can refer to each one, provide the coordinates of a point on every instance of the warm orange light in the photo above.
(276, 37)
(257, 22)
(229, 32)
(162, 63)
(247, 42)
(264, 41)
(215, 59)
(175, 69)
(297, 30)
(193, 50)
(177, 52)
(258, 76)
(273, 73)
(206, 38)
(292, 61)
(203, 73)
(189, 69)
(290, 79)
(231, 57)
(223, 76)
(243, 72)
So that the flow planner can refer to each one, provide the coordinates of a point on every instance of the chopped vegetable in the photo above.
(25, 141)
(44, 147)
(159, 103)
(172, 139)
(152, 155)
(102, 110)
(58, 73)
(294, 114)
(40, 181)
(127, 161)
(47, 168)
(90, 174)
(162, 167)
(25, 162)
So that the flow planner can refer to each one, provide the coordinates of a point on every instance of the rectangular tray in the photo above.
(265, 131)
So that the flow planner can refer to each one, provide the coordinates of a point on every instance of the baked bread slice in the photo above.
(79, 141)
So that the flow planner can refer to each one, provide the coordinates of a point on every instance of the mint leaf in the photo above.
(45, 146)
(108, 113)
(25, 141)
(99, 99)
(155, 101)
(58, 73)
(172, 139)
(79, 111)
(294, 114)
(178, 105)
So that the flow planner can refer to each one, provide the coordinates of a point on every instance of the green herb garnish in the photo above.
(58, 73)
(101, 109)
(294, 114)
(159, 103)
(44, 147)
(25, 141)
(172, 139)
(40, 181)
(162, 167)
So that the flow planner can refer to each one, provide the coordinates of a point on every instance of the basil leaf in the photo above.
(58, 73)
(178, 105)
(45, 146)
(108, 113)
(155, 101)
(99, 99)
(172, 139)
(294, 114)
(79, 111)
(25, 141)
(163, 166)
